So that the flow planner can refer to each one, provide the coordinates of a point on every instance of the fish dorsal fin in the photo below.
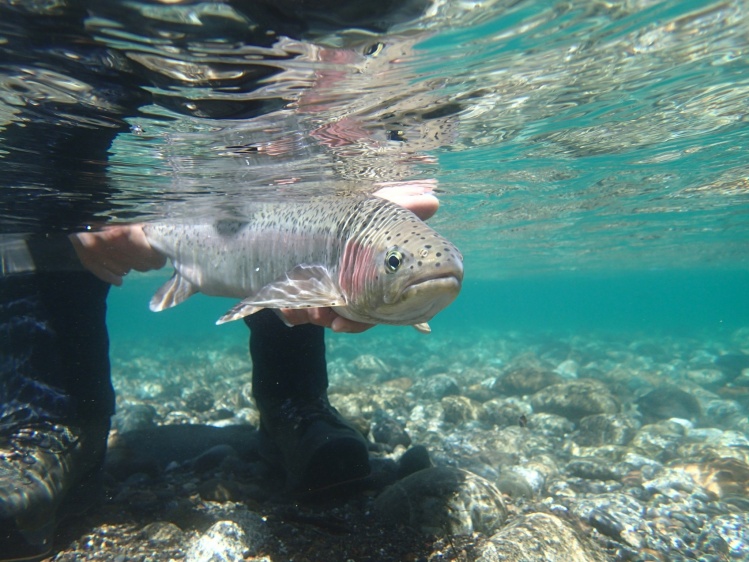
(171, 293)
(423, 328)
(304, 286)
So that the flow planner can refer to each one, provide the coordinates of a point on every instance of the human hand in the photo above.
(111, 253)
(416, 197)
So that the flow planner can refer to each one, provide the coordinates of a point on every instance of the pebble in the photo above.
(443, 500)
(605, 429)
(436, 387)
(225, 541)
(525, 380)
(228, 540)
(539, 537)
(576, 399)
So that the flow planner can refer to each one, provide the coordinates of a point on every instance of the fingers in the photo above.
(325, 317)
(417, 197)
(113, 252)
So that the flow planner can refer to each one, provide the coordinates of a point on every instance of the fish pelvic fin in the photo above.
(171, 293)
(423, 328)
(305, 286)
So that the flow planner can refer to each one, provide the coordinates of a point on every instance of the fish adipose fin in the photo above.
(305, 286)
(171, 293)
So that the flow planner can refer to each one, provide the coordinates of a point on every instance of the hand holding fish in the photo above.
(111, 253)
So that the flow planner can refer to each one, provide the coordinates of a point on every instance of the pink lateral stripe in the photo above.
(356, 269)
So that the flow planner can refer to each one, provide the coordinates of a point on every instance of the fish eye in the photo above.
(393, 260)
(374, 50)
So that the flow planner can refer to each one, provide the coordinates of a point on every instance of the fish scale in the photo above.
(369, 259)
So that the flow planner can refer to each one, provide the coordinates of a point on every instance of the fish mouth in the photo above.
(443, 283)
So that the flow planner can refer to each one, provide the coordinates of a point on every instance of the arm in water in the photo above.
(113, 252)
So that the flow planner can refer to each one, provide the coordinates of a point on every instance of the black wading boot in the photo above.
(56, 400)
(47, 471)
(320, 452)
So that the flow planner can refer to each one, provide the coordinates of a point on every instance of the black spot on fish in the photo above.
(229, 228)
(438, 254)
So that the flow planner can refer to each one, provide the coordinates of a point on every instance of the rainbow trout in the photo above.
(369, 259)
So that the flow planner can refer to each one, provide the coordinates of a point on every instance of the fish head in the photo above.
(404, 274)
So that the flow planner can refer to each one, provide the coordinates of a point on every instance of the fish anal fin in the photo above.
(171, 293)
(423, 328)
(239, 310)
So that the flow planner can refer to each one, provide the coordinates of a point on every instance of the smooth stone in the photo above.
(707, 378)
(617, 515)
(369, 365)
(225, 541)
(162, 534)
(504, 411)
(436, 387)
(459, 409)
(666, 402)
(443, 501)
(220, 490)
(732, 364)
(200, 400)
(659, 441)
(386, 429)
(526, 380)
(567, 369)
(413, 460)
(550, 424)
(229, 540)
(731, 532)
(539, 537)
(515, 486)
(576, 399)
(605, 429)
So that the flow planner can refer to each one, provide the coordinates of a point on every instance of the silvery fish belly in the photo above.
(369, 259)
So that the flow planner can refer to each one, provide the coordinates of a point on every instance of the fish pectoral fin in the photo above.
(423, 328)
(171, 293)
(305, 286)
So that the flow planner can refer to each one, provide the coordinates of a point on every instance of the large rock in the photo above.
(443, 501)
(539, 537)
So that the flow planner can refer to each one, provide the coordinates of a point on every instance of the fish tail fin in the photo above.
(171, 293)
